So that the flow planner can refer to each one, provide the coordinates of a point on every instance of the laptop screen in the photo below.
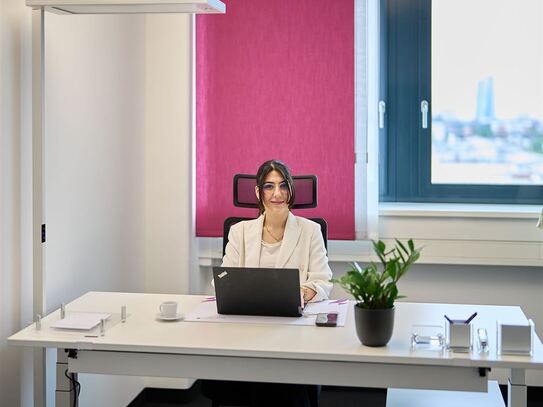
(257, 291)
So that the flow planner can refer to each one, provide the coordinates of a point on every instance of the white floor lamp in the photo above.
(40, 7)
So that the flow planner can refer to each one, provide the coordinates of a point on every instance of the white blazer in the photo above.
(302, 247)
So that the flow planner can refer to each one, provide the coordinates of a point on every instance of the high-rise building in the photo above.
(485, 100)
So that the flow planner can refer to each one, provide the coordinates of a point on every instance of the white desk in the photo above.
(146, 346)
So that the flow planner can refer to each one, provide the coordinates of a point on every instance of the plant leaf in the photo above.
(400, 244)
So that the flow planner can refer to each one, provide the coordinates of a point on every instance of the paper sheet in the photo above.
(80, 320)
(206, 311)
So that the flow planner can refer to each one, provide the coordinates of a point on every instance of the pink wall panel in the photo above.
(275, 79)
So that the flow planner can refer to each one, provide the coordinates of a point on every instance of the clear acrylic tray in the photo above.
(427, 337)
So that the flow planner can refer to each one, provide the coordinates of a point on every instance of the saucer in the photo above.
(176, 318)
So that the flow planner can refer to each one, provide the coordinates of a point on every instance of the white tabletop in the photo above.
(143, 332)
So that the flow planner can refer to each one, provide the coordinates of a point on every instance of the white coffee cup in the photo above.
(168, 309)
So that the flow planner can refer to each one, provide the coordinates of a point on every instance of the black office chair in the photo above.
(244, 197)
(222, 393)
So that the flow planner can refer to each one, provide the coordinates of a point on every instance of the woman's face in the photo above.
(274, 193)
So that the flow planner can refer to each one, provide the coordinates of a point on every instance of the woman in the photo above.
(278, 238)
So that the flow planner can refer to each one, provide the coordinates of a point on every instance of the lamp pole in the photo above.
(38, 224)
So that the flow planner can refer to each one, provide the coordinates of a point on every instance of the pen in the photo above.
(470, 318)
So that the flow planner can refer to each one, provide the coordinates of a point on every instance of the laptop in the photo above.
(258, 291)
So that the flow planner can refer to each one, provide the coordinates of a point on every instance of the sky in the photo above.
(475, 39)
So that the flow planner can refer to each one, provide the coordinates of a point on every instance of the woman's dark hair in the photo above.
(281, 168)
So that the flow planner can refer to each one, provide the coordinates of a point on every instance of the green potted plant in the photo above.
(375, 289)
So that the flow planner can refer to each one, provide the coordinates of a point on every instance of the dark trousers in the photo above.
(275, 394)
(228, 393)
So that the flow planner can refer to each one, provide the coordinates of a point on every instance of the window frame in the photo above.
(405, 173)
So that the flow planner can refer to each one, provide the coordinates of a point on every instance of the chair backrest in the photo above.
(244, 197)
(305, 185)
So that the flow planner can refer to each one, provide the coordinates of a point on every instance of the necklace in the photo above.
(272, 235)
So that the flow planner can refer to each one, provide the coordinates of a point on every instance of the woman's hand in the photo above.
(308, 293)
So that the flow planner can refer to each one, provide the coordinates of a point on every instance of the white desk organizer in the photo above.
(459, 334)
(515, 339)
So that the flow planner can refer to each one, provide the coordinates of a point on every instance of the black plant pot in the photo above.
(374, 326)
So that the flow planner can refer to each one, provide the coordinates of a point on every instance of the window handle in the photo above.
(424, 111)
(382, 110)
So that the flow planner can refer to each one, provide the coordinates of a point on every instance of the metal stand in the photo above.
(517, 392)
(66, 391)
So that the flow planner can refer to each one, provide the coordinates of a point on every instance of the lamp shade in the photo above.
(129, 6)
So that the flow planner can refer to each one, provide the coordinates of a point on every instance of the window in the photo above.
(464, 101)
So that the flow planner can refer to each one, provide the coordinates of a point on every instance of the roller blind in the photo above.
(275, 79)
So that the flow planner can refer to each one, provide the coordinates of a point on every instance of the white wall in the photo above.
(169, 222)
(117, 164)
(94, 155)
(94, 177)
(15, 199)
(94, 169)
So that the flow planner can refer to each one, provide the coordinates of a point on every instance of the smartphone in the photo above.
(326, 319)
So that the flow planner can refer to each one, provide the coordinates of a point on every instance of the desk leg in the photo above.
(65, 392)
(517, 391)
